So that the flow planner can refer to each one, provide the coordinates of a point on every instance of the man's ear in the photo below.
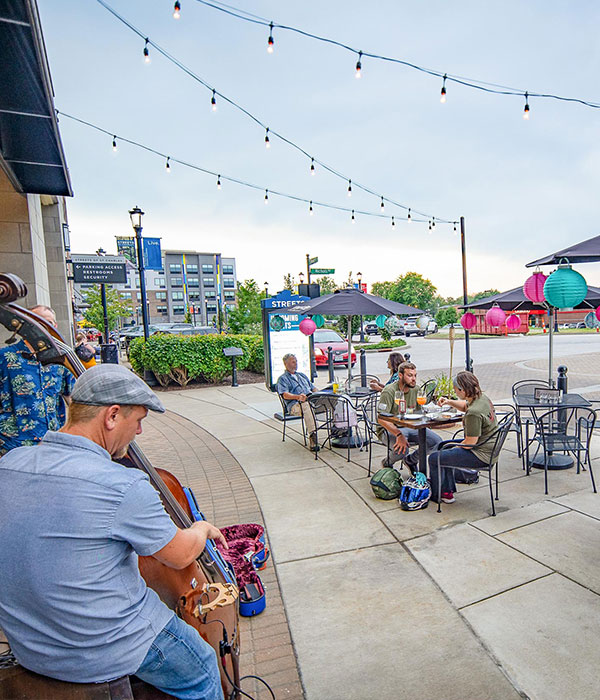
(110, 416)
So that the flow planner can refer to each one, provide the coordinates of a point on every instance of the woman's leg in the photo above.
(453, 457)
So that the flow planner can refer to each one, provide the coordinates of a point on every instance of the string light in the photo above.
(526, 109)
(312, 166)
(353, 217)
(218, 182)
(266, 196)
(349, 188)
(443, 92)
(168, 165)
(114, 145)
(146, 52)
(393, 223)
(382, 204)
(429, 224)
(409, 217)
(433, 222)
(213, 101)
(358, 66)
(270, 41)
(267, 142)
(310, 208)
(454, 227)
(177, 9)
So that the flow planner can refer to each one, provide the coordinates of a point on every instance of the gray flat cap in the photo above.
(105, 385)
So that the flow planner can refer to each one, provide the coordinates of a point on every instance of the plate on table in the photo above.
(412, 416)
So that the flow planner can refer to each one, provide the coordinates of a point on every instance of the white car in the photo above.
(411, 328)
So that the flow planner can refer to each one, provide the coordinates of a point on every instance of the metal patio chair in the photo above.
(285, 415)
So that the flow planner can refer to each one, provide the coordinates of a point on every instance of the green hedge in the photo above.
(180, 358)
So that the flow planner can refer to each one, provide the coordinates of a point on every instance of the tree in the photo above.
(382, 289)
(412, 289)
(483, 295)
(328, 285)
(117, 308)
(288, 282)
(248, 308)
(187, 317)
(448, 315)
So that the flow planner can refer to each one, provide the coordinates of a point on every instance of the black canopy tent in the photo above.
(350, 302)
(584, 252)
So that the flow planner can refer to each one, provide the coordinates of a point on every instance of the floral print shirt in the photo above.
(30, 397)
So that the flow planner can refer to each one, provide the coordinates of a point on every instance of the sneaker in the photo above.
(313, 445)
(448, 497)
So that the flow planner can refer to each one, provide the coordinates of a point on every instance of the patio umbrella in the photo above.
(515, 300)
(586, 251)
(350, 302)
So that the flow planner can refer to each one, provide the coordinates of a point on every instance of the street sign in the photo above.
(312, 261)
(322, 271)
(99, 272)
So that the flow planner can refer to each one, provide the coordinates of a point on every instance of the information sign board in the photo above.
(322, 271)
(282, 335)
(312, 261)
(100, 272)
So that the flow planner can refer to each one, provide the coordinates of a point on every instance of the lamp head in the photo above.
(136, 217)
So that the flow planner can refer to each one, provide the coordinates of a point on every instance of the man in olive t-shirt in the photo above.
(398, 439)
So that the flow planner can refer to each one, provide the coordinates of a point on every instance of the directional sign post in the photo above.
(322, 271)
(312, 261)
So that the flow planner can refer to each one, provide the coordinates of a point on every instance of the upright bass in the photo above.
(205, 593)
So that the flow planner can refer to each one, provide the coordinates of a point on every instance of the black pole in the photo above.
(330, 363)
(194, 314)
(363, 367)
(104, 311)
(234, 381)
(140, 254)
(362, 330)
(308, 268)
(468, 360)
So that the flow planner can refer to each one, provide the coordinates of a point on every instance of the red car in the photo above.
(325, 339)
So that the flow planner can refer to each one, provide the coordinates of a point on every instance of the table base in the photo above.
(555, 462)
(347, 441)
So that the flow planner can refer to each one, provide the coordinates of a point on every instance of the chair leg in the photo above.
(370, 447)
(491, 492)
(304, 430)
(589, 461)
(439, 494)
(496, 480)
(545, 473)
(284, 422)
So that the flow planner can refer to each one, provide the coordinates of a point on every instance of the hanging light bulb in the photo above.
(393, 222)
(270, 42)
(267, 142)
(312, 166)
(146, 52)
(266, 196)
(409, 217)
(526, 109)
(310, 208)
(177, 9)
(382, 204)
(429, 222)
(168, 165)
(218, 182)
(213, 101)
(349, 188)
(358, 66)
(455, 228)
(353, 217)
(443, 92)
(114, 145)
(433, 222)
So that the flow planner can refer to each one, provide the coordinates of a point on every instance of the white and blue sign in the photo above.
(282, 335)
(152, 254)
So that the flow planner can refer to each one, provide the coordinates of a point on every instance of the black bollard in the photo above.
(234, 381)
(363, 367)
(406, 357)
(330, 363)
(562, 380)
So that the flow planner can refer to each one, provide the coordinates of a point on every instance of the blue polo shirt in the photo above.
(297, 383)
(72, 602)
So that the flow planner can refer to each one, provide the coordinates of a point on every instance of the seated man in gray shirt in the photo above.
(295, 387)
(73, 604)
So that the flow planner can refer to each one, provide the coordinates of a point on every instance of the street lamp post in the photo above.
(362, 328)
(463, 250)
(266, 290)
(136, 221)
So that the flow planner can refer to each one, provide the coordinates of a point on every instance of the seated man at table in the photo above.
(295, 387)
(398, 439)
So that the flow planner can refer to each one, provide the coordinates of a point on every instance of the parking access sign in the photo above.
(100, 272)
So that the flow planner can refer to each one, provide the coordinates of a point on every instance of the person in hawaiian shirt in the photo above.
(31, 395)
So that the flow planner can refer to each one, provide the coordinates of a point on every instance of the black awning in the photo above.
(31, 151)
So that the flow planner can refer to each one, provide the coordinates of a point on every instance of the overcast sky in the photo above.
(525, 188)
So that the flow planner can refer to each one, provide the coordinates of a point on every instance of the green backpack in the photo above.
(386, 483)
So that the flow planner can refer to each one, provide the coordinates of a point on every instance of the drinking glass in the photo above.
(421, 398)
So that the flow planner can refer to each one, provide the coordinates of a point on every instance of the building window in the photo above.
(192, 268)
(194, 296)
(124, 295)
(174, 268)
(159, 282)
(137, 280)
(139, 296)
(177, 296)
(210, 294)
(207, 269)
(230, 307)
(161, 296)
(211, 309)
(161, 309)
(176, 281)
(228, 269)
(179, 310)
(193, 282)
(209, 281)
(230, 296)
(229, 284)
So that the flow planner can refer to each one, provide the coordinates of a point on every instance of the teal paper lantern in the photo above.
(319, 320)
(380, 321)
(565, 288)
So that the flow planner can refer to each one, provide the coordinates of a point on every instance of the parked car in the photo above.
(372, 328)
(411, 328)
(581, 324)
(432, 326)
(323, 340)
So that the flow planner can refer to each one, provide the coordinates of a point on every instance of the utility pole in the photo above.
(468, 360)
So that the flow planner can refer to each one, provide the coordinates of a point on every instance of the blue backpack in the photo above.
(415, 493)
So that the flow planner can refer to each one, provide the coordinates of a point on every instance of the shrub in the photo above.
(180, 359)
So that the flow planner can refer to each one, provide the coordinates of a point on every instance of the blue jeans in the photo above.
(412, 437)
(453, 457)
(180, 663)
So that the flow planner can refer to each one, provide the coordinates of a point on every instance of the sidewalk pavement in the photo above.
(383, 603)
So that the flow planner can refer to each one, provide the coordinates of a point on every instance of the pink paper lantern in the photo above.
(513, 322)
(495, 316)
(598, 313)
(533, 288)
(307, 326)
(468, 321)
